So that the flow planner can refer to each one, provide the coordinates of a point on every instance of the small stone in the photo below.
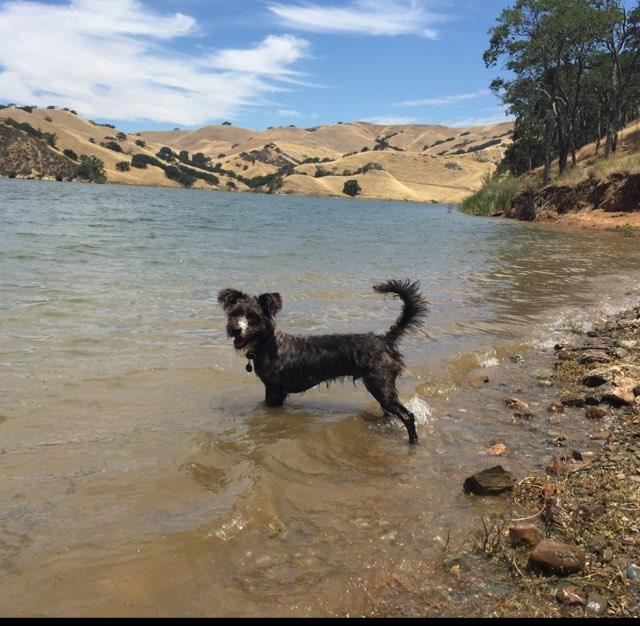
(596, 605)
(576, 455)
(565, 355)
(556, 467)
(590, 357)
(596, 378)
(572, 399)
(594, 413)
(525, 415)
(456, 571)
(544, 383)
(524, 535)
(497, 449)
(636, 391)
(515, 403)
(627, 344)
(601, 435)
(621, 394)
(593, 509)
(556, 407)
(571, 596)
(633, 572)
(516, 358)
(553, 557)
(489, 482)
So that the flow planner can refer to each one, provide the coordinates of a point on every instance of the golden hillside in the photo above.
(411, 162)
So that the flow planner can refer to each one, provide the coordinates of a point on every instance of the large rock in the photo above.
(524, 536)
(553, 557)
(489, 482)
(621, 393)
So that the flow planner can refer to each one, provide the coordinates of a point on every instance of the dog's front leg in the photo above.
(274, 396)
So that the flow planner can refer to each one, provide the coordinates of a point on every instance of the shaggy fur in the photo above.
(292, 364)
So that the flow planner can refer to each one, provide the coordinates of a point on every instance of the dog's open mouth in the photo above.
(239, 343)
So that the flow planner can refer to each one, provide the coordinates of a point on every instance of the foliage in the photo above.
(113, 145)
(142, 160)
(166, 154)
(141, 143)
(123, 166)
(70, 154)
(91, 168)
(351, 188)
(495, 196)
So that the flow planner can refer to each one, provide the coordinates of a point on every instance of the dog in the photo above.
(289, 364)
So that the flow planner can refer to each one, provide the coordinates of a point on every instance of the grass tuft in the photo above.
(495, 196)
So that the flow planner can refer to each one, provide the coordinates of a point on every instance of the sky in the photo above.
(163, 64)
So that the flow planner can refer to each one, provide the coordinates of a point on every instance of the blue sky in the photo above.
(256, 63)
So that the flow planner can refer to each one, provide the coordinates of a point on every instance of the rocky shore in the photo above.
(571, 546)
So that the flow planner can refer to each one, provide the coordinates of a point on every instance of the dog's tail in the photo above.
(414, 308)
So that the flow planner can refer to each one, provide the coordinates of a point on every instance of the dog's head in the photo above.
(249, 318)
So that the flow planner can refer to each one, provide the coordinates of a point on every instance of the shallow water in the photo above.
(140, 473)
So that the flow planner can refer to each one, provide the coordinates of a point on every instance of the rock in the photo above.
(489, 482)
(565, 355)
(591, 357)
(497, 449)
(593, 333)
(597, 378)
(627, 344)
(571, 596)
(576, 455)
(594, 413)
(525, 415)
(516, 358)
(636, 391)
(621, 393)
(544, 383)
(601, 435)
(556, 467)
(572, 399)
(596, 605)
(515, 403)
(619, 353)
(593, 509)
(633, 572)
(524, 536)
(556, 407)
(553, 557)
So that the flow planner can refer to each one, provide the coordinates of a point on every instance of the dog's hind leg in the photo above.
(274, 397)
(384, 391)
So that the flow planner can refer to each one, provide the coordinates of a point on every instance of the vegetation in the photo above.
(121, 136)
(166, 154)
(351, 188)
(142, 160)
(70, 154)
(141, 143)
(495, 196)
(91, 168)
(123, 166)
(113, 145)
(574, 77)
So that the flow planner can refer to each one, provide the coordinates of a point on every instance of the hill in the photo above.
(398, 162)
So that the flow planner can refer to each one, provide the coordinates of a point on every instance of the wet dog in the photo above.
(292, 364)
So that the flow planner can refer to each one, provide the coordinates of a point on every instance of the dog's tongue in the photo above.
(239, 342)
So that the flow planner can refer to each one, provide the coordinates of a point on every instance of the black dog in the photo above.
(292, 364)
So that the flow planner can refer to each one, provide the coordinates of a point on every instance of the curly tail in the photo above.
(414, 308)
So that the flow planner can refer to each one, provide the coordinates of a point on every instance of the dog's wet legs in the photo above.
(274, 397)
(385, 393)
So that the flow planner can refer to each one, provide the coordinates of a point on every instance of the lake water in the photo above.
(140, 473)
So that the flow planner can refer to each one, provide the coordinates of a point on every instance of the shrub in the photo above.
(72, 111)
(495, 196)
(142, 160)
(351, 188)
(70, 153)
(112, 145)
(28, 109)
(50, 138)
(141, 143)
(92, 169)
(92, 140)
(321, 172)
(166, 154)
(172, 172)
(121, 136)
(226, 123)
(51, 107)
(48, 119)
(123, 166)
(183, 157)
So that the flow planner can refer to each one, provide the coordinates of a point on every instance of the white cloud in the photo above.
(477, 121)
(443, 100)
(289, 113)
(365, 17)
(113, 59)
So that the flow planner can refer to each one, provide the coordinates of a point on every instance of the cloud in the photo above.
(365, 17)
(478, 121)
(114, 59)
(443, 100)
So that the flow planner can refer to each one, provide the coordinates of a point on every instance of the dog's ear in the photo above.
(271, 303)
(228, 298)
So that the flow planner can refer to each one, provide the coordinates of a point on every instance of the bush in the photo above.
(123, 166)
(48, 119)
(351, 188)
(92, 140)
(121, 136)
(51, 107)
(112, 145)
(166, 154)
(141, 143)
(174, 173)
(226, 123)
(142, 160)
(495, 196)
(28, 109)
(70, 153)
(50, 138)
(92, 169)
(183, 157)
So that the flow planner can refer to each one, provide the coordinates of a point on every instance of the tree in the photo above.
(123, 166)
(70, 154)
(141, 143)
(121, 136)
(351, 188)
(91, 168)
(183, 157)
(166, 154)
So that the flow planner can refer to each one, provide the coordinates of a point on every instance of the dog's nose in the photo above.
(236, 332)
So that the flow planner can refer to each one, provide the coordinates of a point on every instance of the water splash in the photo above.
(420, 409)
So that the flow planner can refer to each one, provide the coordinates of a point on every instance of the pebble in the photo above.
(489, 482)
(516, 358)
(524, 535)
(515, 403)
(553, 557)
(572, 399)
(571, 596)
(633, 572)
(497, 449)
(596, 605)
(556, 407)
(594, 413)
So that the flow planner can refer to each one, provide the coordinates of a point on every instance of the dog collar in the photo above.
(250, 356)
